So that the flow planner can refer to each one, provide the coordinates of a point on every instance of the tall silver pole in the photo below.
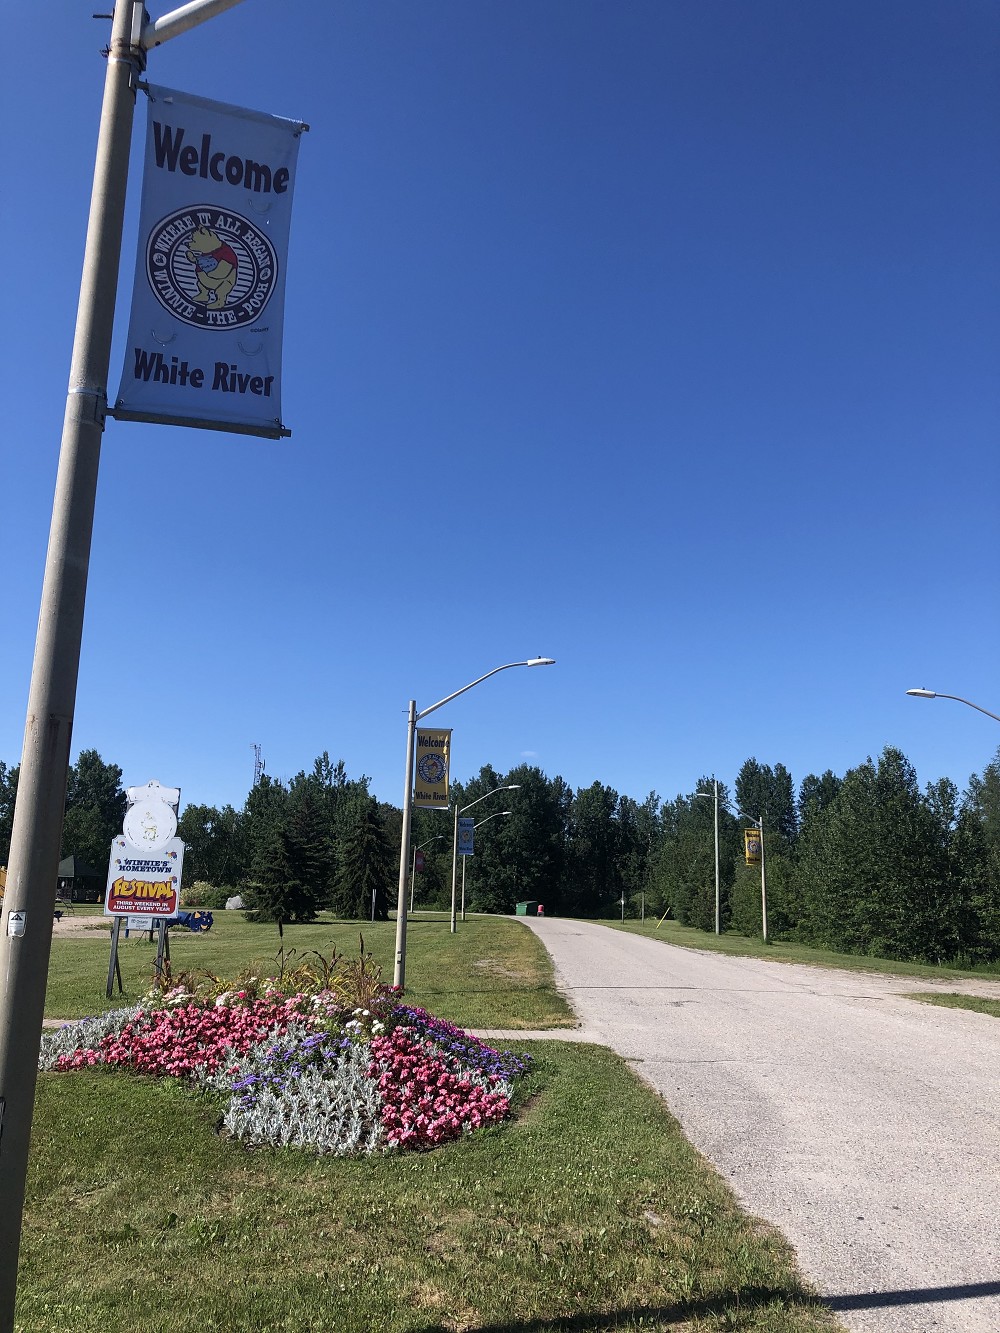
(454, 869)
(399, 974)
(464, 859)
(26, 932)
(715, 793)
(763, 881)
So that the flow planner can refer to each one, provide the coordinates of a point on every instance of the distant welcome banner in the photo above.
(204, 341)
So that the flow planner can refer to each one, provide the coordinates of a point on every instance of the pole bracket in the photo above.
(100, 401)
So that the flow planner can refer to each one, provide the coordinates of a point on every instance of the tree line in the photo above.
(863, 863)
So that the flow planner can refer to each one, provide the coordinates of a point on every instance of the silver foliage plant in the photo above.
(328, 1110)
(84, 1034)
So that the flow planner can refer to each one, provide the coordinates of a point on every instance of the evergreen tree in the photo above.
(262, 818)
(595, 880)
(872, 867)
(276, 894)
(768, 792)
(310, 845)
(365, 869)
(523, 856)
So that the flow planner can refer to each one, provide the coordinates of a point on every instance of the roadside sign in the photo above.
(144, 883)
(466, 837)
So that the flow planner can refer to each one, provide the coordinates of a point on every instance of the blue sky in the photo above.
(658, 338)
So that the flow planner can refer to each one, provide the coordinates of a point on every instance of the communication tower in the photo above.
(258, 765)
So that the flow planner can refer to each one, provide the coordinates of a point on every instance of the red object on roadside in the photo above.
(541, 909)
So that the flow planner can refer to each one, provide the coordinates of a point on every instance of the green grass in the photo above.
(590, 1212)
(974, 1002)
(782, 951)
(492, 973)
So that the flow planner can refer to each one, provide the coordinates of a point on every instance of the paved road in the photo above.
(865, 1126)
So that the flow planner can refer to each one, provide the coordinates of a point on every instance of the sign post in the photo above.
(144, 870)
(35, 838)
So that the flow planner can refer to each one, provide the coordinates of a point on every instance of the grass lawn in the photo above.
(492, 973)
(671, 932)
(590, 1212)
(974, 1002)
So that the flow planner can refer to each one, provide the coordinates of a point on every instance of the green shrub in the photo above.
(207, 896)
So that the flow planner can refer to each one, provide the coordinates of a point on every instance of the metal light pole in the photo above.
(715, 797)
(934, 694)
(499, 815)
(763, 879)
(758, 823)
(413, 867)
(26, 930)
(454, 842)
(399, 973)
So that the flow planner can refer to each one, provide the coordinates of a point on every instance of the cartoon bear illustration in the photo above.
(216, 265)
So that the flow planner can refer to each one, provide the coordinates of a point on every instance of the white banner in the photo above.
(204, 340)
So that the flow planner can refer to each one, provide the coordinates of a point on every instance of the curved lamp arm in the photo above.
(934, 694)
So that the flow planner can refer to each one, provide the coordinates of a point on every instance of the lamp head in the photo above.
(540, 661)
(923, 694)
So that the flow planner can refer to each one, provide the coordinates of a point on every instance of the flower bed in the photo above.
(305, 1069)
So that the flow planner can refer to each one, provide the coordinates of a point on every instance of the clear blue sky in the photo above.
(657, 337)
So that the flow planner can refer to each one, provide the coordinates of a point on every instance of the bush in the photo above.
(202, 894)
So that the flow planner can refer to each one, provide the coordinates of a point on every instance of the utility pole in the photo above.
(29, 901)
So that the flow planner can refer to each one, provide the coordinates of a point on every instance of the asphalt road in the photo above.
(864, 1125)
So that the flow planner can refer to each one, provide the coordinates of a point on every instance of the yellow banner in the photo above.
(430, 784)
(751, 846)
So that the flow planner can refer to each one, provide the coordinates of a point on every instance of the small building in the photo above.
(79, 882)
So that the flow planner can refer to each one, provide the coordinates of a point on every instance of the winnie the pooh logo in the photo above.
(216, 266)
(211, 268)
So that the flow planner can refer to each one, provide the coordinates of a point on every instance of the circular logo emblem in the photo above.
(431, 768)
(211, 268)
(150, 824)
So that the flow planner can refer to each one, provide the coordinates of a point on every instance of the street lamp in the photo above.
(499, 815)
(399, 973)
(763, 881)
(454, 843)
(413, 868)
(714, 797)
(933, 694)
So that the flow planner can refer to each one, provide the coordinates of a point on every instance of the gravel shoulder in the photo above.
(864, 1125)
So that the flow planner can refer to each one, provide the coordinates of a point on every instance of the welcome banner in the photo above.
(430, 787)
(751, 847)
(204, 341)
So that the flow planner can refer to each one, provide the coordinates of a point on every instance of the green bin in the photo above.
(529, 908)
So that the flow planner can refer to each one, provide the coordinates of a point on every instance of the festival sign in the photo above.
(466, 835)
(144, 869)
(142, 882)
(430, 788)
(204, 340)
